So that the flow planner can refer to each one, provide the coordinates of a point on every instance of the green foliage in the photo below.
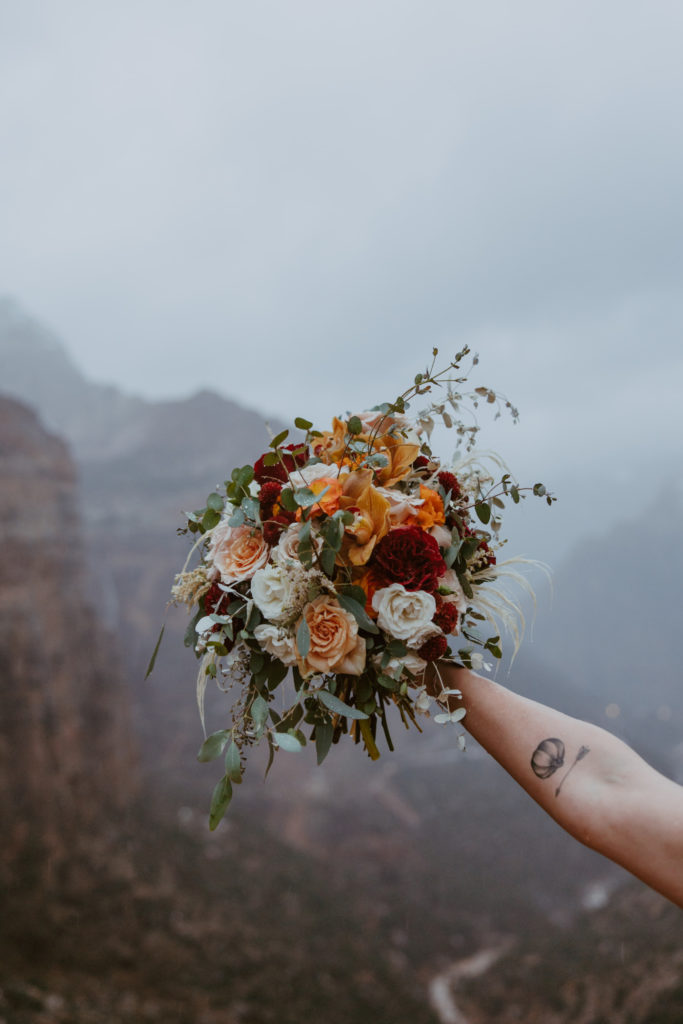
(233, 766)
(153, 659)
(222, 795)
(358, 611)
(213, 745)
(338, 707)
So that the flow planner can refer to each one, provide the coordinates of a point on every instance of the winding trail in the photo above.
(443, 986)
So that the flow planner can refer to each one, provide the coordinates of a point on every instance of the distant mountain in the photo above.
(613, 626)
(139, 459)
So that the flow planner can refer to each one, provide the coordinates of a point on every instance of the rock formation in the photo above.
(66, 760)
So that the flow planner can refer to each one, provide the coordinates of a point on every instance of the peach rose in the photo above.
(334, 645)
(237, 552)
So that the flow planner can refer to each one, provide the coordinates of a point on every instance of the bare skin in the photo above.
(591, 783)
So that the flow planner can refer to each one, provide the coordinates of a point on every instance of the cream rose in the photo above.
(334, 642)
(288, 546)
(271, 588)
(237, 552)
(396, 666)
(405, 614)
(277, 643)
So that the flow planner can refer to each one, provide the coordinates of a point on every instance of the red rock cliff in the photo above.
(66, 763)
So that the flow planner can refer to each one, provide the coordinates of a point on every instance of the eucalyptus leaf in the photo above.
(213, 745)
(324, 731)
(338, 707)
(302, 424)
(285, 741)
(222, 795)
(233, 765)
(279, 438)
(259, 713)
(287, 500)
(303, 638)
(483, 510)
(215, 501)
(152, 661)
(251, 509)
(358, 611)
(210, 519)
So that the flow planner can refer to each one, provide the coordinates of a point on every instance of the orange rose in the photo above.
(430, 512)
(237, 552)
(334, 642)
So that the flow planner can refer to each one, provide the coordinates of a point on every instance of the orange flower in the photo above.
(329, 502)
(401, 456)
(330, 445)
(369, 584)
(371, 522)
(430, 512)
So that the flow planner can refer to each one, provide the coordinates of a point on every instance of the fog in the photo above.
(293, 203)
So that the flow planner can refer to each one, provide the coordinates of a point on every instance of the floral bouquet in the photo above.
(344, 562)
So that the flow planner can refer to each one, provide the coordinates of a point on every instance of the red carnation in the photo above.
(281, 469)
(434, 648)
(446, 617)
(449, 483)
(409, 556)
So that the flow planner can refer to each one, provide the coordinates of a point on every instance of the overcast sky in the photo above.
(292, 202)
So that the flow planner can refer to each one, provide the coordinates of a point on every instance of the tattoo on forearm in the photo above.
(549, 756)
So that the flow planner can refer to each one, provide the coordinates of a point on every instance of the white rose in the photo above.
(271, 589)
(277, 643)
(405, 614)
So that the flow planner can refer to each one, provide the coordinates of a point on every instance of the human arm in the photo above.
(590, 782)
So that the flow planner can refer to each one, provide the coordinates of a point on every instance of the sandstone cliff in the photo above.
(66, 758)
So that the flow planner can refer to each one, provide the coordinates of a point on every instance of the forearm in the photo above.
(591, 783)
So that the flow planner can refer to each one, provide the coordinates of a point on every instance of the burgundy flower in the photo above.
(446, 616)
(409, 556)
(434, 648)
(215, 600)
(279, 471)
(269, 494)
(449, 482)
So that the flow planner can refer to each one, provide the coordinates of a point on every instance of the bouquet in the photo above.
(338, 566)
